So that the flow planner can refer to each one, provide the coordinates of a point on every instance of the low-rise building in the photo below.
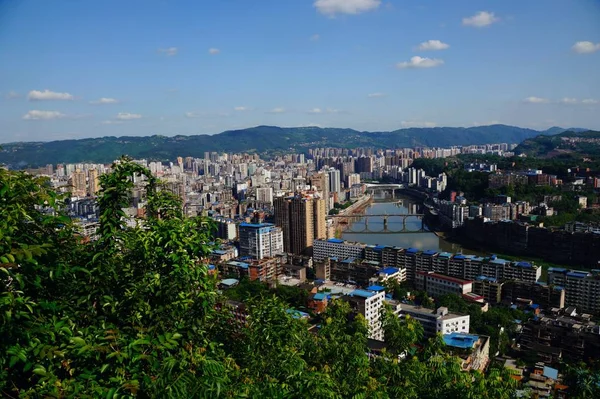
(582, 288)
(438, 321)
(489, 288)
(336, 248)
(473, 350)
(437, 285)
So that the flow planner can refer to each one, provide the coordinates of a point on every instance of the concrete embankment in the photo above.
(340, 222)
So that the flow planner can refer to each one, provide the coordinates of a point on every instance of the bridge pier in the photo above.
(385, 223)
(404, 223)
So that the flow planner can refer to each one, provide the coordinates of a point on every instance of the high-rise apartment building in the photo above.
(302, 219)
(93, 183)
(260, 240)
(79, 186)
(320, 182)
(335, 184)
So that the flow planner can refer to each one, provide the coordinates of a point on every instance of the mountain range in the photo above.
(260, 139)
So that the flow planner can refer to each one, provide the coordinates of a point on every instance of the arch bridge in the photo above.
(385, 218)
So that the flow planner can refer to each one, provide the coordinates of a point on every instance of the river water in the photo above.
(386, 205)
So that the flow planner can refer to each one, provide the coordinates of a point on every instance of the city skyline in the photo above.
(164, 68)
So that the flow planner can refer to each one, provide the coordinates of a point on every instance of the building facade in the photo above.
(260, 240)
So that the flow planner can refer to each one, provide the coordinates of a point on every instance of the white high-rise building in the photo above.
(369, 302)
(352, 179)
(260, 240)
(264, 194)
(335, 185)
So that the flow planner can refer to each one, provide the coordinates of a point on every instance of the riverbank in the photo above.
(340, 223)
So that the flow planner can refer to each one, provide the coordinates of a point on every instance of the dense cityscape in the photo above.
(310, 199)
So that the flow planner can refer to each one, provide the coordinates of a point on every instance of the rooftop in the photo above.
(459, 340)
(375, 288)
(362, 293)
(256, 225)
(389, 270)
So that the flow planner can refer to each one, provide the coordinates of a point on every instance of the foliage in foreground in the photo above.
(134, 314)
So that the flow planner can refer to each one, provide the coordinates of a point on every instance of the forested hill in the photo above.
(256, 139)
(569, 143)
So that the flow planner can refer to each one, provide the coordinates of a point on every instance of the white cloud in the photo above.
(105, 100)
(481, 19)
(432, 45)
(169, 52)
(241, 108)
(278, 110)
(213, 51)
(37, 95)
(333, 111)
(126, 116)
(589, 101)
(586, 47)
(417, 124)
(315, 37)
(111, 122)
(568, 100)
(333, 7)
(315, 111)
(37, 115)
(11, 95)
(536, 100)
(192, 115)
(376, 95)
(420, 62)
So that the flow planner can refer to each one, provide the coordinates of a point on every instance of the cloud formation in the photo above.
(45, 115)
(589, 101)
(11, 95)
(433, 45)
(104, 100)
(126, 116)
(420, 62)
(37, 95)
(568, 100)
(585, 47)
(277, 110)
(376, 95)
(315, 37)
(192, 115)
(169, 52)
(481, 19)
(242, 108)
(536, 100)
(213, 51)
(315, 111)
(111, 122)
(333, 7)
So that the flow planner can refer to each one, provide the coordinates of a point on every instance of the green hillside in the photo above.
(569, 143)
(257, 139)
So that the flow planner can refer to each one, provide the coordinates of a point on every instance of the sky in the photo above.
(75, 69)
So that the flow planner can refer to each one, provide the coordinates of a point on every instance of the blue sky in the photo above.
(72, 69)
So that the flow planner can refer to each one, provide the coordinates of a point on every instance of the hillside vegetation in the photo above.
(566, 144)
(257, 139)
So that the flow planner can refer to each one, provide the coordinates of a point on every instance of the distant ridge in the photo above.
(256, 139)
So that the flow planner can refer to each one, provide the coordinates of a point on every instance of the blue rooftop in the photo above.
(256, 225)
(238, 264)
(486, 278)
(296, 314)
(335, 241)
(362, 293)
(389, 270)
(557, 269)
(375, 288)
(349, 260)
(459, 340)
(219, 252)
(445, 255)
(460, 257)
(577, 274)
(380, 247)
(412, 250)
(550, 372)
(524, 264)
(211, 267)
(429, 252)
(319, 296)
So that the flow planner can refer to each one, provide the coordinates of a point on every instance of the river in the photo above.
(385, 204)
